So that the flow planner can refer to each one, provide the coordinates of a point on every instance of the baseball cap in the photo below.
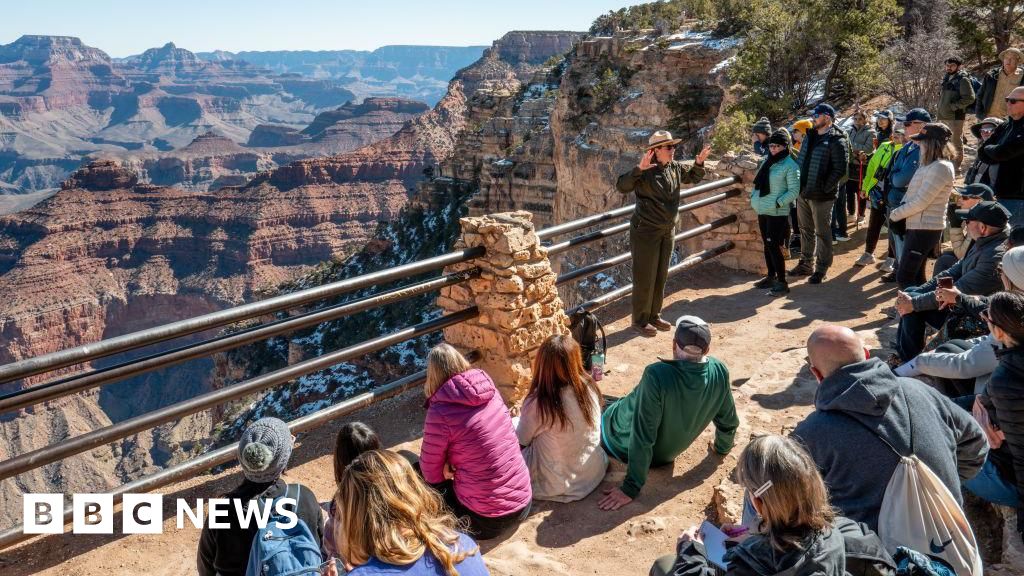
(933, 131)
(916, 115)
(692, 331)
(824, 109)
(977, 191)
(991, 213)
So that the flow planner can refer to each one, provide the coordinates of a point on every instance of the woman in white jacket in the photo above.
(924, 205)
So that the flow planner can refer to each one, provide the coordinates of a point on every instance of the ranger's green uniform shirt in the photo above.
(673, 403)
(657, 192)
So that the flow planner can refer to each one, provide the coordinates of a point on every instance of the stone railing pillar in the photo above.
(748, 254)
(515, 293)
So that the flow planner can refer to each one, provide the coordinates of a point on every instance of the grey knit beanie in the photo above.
(1013, 266)
(264, 450)
(762, 126)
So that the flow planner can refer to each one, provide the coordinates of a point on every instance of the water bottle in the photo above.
(597, 365)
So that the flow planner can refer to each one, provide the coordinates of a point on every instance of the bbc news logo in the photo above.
(143, 513)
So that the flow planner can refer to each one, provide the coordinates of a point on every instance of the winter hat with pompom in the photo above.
(264, 450)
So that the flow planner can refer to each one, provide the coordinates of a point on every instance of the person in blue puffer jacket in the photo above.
(776, 187)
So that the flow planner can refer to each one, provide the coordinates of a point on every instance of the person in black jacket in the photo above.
(998, 82)
(1004, 400)
(823, 162)
(799, 533)
(263, 453)
(1005, 149)
(977, 274)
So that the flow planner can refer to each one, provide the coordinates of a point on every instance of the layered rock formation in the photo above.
(61, 100)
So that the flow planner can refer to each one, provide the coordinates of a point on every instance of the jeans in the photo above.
(815, 235)
(774, 234)
(917, 245)
(910, 333)
(944, 262)
(991, 487)
(1016, 208)
(838, 222)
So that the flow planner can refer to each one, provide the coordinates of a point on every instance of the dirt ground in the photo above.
(760, 339)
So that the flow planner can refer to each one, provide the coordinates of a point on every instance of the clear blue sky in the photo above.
(123, 27)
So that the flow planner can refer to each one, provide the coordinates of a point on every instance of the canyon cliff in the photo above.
(109, 254)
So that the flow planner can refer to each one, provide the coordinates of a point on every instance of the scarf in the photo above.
(761, 180)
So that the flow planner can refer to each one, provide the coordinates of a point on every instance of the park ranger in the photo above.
(656, 180)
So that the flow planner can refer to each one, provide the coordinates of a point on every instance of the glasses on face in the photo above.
(987, 130)
(1014, 100)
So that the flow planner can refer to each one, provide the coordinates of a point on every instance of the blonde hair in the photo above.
(387, 512)
(796, 502)
(443, 362)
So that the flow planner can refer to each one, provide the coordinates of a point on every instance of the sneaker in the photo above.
(865, 259)
(889, 278)
(766, 282)
(662, 324)
(889, 266)
(841, 238)
(779, 289)
(816, 278)
(801, 269)
(645, 330)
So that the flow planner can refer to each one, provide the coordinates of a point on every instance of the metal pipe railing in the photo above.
(688, 262)
(596, 267)
(225, 454)
(588, 221)
(126, 342)
(108, 375)
(620, 228)
(88, 441)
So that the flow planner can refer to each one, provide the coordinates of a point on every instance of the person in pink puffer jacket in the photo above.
(470, 451)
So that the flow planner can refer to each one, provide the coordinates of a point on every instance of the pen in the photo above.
(738, 531)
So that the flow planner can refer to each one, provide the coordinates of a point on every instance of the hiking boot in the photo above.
(662, 324)
(801, 269)
(888, 278)
(865, 259)
(766, 282)
(645, 330)
(889, 266)
(816, 278)
(779, 289)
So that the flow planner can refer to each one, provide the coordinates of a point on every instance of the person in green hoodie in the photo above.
(776, 186)
(670, 407)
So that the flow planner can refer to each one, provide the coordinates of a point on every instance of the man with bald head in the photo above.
(1005, 150)
(858, 403)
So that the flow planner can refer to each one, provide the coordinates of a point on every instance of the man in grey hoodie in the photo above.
(860, 399)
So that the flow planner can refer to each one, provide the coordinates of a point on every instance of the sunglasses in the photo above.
(989, 130)
(1014, 100)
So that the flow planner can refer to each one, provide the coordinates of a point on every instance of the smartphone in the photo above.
(945, 282)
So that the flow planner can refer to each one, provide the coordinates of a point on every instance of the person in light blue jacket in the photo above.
(776, 187)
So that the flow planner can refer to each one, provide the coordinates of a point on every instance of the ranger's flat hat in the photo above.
(662, 138)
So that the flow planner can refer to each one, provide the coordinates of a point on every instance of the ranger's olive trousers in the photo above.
(652, 250)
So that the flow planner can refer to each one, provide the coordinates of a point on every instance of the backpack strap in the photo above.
(604, 340)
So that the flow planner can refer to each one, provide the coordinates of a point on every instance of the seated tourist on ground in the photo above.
(923, 208)
(860, 399)
(799, 534)
(560, 424)
(981, 172)
(263, 453)
(1002, 481)
(393, 523)
(976, 274)
(962, 367)
(966, 198)
(673, 403)
(1005, 150)
(776, 186)
(871, 188)
(470, 452)
(353, 439)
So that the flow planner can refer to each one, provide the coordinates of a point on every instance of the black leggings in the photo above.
(482, 527)
(774, 235)
(916, 249)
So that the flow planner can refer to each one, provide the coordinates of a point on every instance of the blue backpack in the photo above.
(284, 552)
